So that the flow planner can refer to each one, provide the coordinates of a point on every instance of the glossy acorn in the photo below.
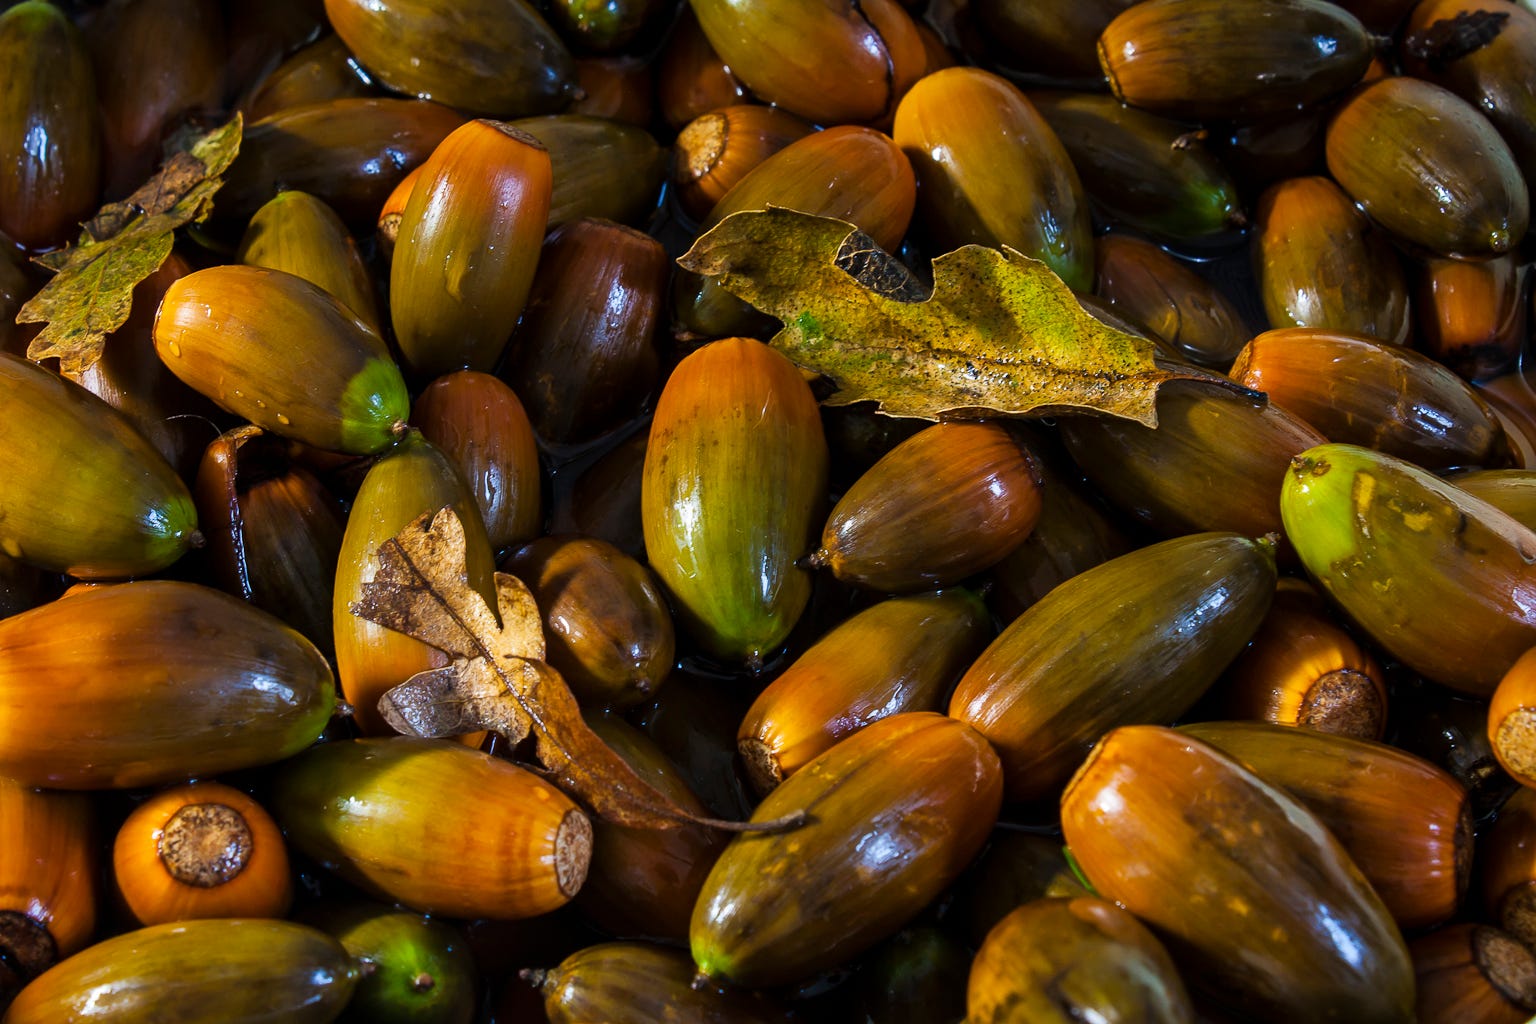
(619, 88)
(895, 813)
(602, 168)
(284, 354)
(1150, 173)
(1509, 490)
(435, 826)
(1471, 972)
(412, 970)
(717, 149)
(499, 58)
(467, 247)
(50, 139)
(991, 171)
(1257, 901)
(1471, 316)
(390, 214)
(1319, 262)
(1512, 720)
(1068, 959)
(48, 880)
(1163, 294)
(1428, 167)
(835, 62)
(150, 682)
(691, 79)
(1203, 59)
(84, 492)
(735, 422)
(319, 71)
(1439, 579)
(1506, 861)
(295, 232)
(1056, 38)
(199, 851)
(610, 26)
(259, 40)
(1405, 823)
(902, 654)
(638, 983)
(1161, 623)
(1361, 391)
(218, 971)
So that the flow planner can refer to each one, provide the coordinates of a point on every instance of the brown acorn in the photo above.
(258, 40)
(584, 357)
(1054, 38)
(620, 25)
(691, 79)
(637, 983)
(992, 172)
(1471, 316)
(1471, 972)
(1208, 59)
(616, 88)
(392, 211)
(467, 246)
(50, 136)
(948, 502)
(295, 232)
(1514, 400)
(48, 889)
(716, 150)
(1159, 292)
(1506, 860)
(605, 618)
(1303, 669)
(902, 654)
(479, 424)
(499, 58)
(322, 70)
(1360, 391)
(1405, 823)
(1319, 262)
(602, 168)
(1257, 901)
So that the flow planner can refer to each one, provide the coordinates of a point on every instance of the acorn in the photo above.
(1441, 580)
(1162, 294)
(349, 152)
(1257, 901)
(584, 358)
(1164, 621)
(735, 422)
(319, 71)
(258, 41)
(412, 970)
(50, 140)
(218, 971)
(1425, 165)
(392, 211)
(201, 850)
(1508, 490)
(1514, 402)
(894, 814)
(830, 63)
(902, 654)
(1147, 172)
(1207, 59)
(286, 355)
(84, 492)
(1506, 860)
(467, 245)
(1319, 262)
(717, 149)
(1070, 959)
(479, 424)
(48, 888)
(413, 478)
(297, 233)
(1056, 38)
(1303, 669)
(691, 79)
(640, 983)
(616, 88)
(151, 682)
(991, 171)
(1365, 392)
(1471, 972)
(493, 57)
(602, 168)
(1404, 822)
(1512, 720)
(605, 618)
(373, 811)
(607, 27)
(1471, 316)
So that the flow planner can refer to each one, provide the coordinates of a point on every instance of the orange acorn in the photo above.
(47, 880)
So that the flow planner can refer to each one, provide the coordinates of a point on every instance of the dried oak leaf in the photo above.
(998, 334)
(91, 292)
(498, 679)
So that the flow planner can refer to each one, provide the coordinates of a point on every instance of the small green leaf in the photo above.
(91, 293)
(999, 334)
(1077, 870)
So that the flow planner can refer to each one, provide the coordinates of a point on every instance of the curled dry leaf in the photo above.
(498, 679)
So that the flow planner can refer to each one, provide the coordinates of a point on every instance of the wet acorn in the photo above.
(258, 40)
(1509, 490)
(640, 983)
(412, 970)
(716, 150)
(1257, 901)
(617, 88)
(372, 810)
(602, 168)
(1160, 625)
(895, 813)
(1471, 317)
(608, 26)
(691, 79)
(1164, 295)
(219, 971)
(284, 354)
(1062, 960)
(84, 492)
(1425, 165)
(1471, 972)
(300, 234)
(1441, 580)
(150, 682)
(736, 422)
(1512, 720)
(322, 70)
(1208, 59)
(902, 654)
(48, 886)
(198, 851)
(1055, 38)
(494, 57)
